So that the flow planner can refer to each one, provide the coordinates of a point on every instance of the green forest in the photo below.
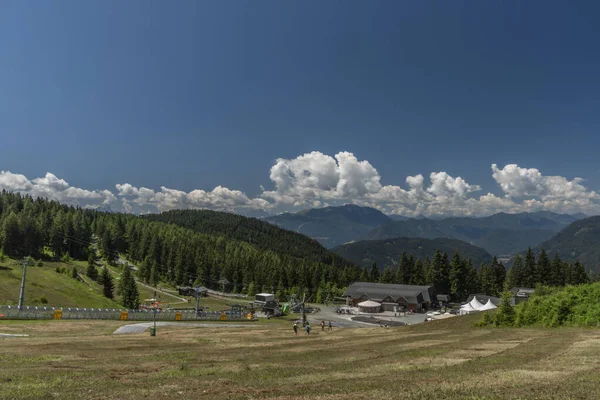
(458, 276)
(251, 255)
(209, 248)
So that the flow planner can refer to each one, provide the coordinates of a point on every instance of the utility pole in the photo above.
(303, 310)
(155, 310)
(22, 294)
(197, 299)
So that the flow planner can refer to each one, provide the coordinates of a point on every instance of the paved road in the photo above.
(345, 320)
(141, 327)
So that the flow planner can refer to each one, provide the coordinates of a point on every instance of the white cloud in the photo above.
(53, 188)
(317, 180)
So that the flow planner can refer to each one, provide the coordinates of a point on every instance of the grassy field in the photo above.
(439, 360)
(64, 291)
(59, 289)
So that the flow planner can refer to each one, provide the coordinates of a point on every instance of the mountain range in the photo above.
(387, 252)
(500, 234)
(332, 226)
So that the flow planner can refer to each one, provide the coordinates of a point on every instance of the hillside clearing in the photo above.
(443, 360)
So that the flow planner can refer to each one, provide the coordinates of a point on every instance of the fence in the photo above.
(31, 312)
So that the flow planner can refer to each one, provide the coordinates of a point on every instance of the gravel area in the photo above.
(141, 327)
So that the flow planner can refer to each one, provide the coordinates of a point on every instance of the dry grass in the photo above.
(442, 360)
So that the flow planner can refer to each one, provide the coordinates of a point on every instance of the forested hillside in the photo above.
(580, 241)
(251, 230)
(387, 252)
(36, 227)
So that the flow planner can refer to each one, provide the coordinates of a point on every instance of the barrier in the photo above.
(32, 312)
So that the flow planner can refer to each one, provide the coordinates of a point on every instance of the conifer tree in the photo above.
(518, 272)
(402, 271)
(542, 269)
(374, 273)
(364, 275)
(436, 271)
(505, 316)
(458, 278)
(130, 297)
(387, 276)
(154, 277)
(529, 270)
(92, 272)
(418, 277)
(557, 276)
(107, 283)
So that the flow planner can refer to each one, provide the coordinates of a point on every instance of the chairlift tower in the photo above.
(22, 293)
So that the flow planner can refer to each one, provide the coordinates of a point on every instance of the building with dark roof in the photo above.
(521, 294)
(392, 297)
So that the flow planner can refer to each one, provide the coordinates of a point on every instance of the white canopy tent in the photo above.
(475, 303)
(488, 306)
(466, 309)
(369, 306)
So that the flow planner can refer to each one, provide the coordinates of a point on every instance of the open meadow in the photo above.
(446, 359)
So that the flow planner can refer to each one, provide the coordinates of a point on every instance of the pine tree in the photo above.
(542, 269)
(529, 270)
(387, 276)
(458, 278)
(486, 280)
(364, 275)
(418, 277)
(498, 274)
(472, 278)
(557, 277)
(518, 272)
(374, 273)
(128, 289)
(510, 280)
(251, 289)
(505, 316)
(402, 271)
(578, 275)
(92, 272)
(435, 273)
(154, 277)
(107, 283)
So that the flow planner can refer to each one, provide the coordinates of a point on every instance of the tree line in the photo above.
(459, 277)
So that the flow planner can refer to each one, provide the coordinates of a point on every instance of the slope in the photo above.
(332, 226)
(58, 288)
(258, 233)
(499, 234)
(387, 252)
(578, 241)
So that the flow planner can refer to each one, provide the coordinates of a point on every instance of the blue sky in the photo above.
(196, 94)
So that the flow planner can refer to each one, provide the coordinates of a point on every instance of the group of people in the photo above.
(307, 327)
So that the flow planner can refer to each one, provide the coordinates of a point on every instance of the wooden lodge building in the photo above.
(393, 297)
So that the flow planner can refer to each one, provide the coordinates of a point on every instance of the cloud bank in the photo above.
(316, 180)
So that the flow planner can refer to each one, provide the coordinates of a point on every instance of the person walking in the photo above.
(308, 328)
(329, 326)
(322, 326)
(295, 328)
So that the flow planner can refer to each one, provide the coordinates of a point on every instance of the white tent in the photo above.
(475, 303)
(488, 306)
(369, 304)
(466, 309)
